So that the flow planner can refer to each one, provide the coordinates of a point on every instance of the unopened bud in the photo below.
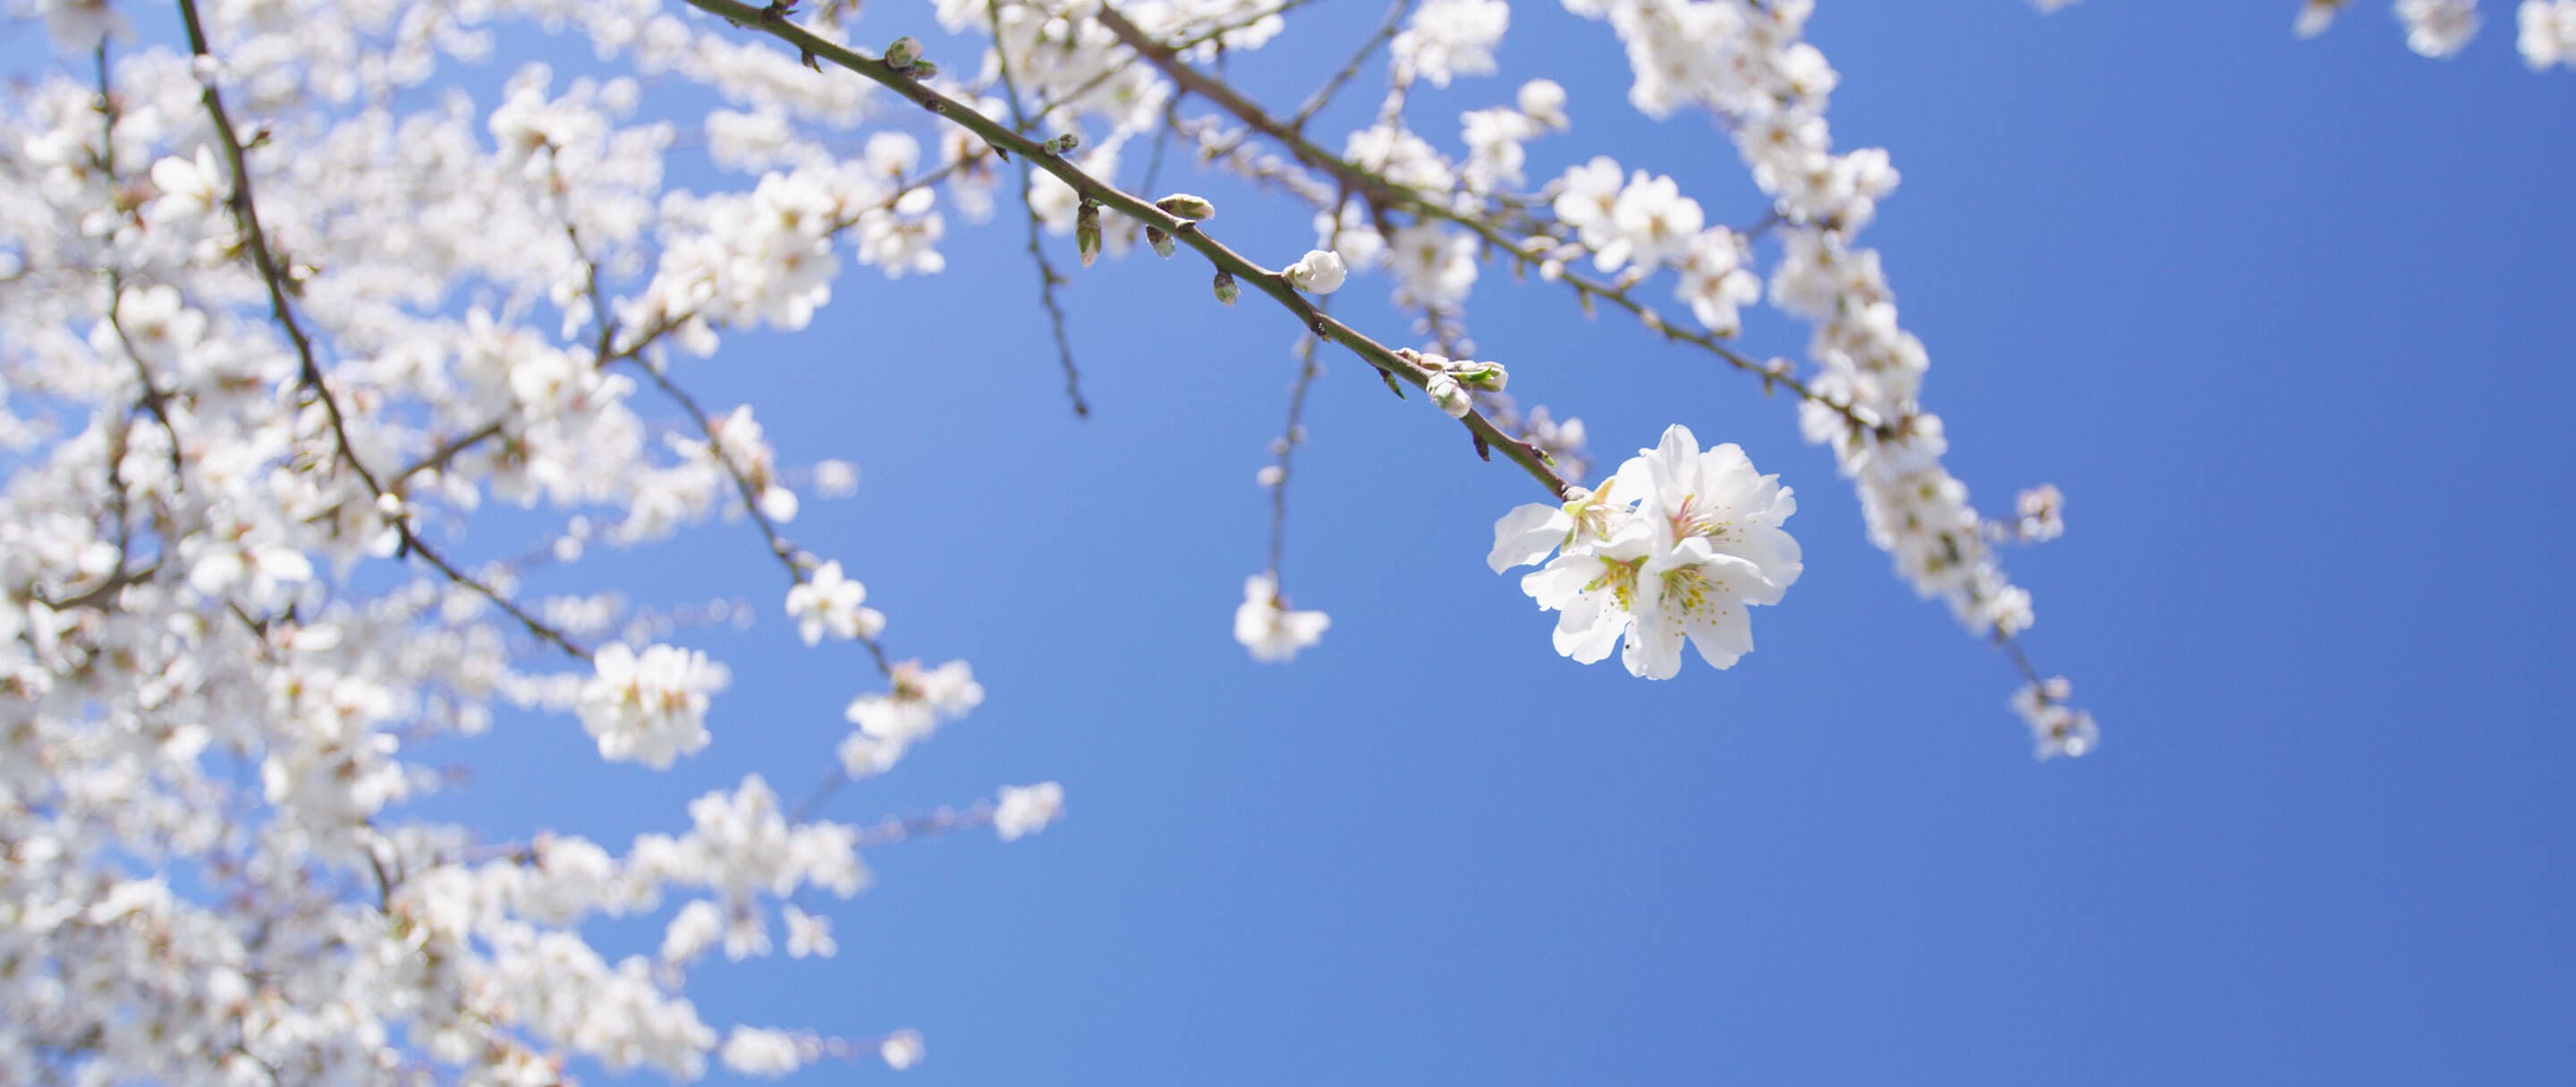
(1226, 291)
(1086, 232)
(1186, 206)
(902, 52)
(922, 69)
(1447, 395)
(1065, 143)
(1488, 376)
(1161, 242)
(1320, 272)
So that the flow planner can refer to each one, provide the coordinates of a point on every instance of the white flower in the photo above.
(1448, 37)
(2043, 514)
(649, 708)
(835, 478)
(2438, 28)
(1025, 810)
(1543, 101)
(767, 1053)
(902, 1049)
(1716, 496)
(2315, 16)
(1714, 283)
(920, 702)
(1526, 534)
(1267, 628)
(808, 934)
(1586, 199)
(1448, 396)
(2055, 727)
(691, 932)
(191, 188)
(830, 602)
(1321, 271)
(80, 25)
(1702, 543)
(1436, 265)
(2548, 33)
(1593, 590)
(1656, 224)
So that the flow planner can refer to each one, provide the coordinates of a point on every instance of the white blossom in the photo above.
(828, 602)
(2315, 16)
(649, 707)
(2438, 28)
(764, 1053)
(2056, 728)
(1689, 542)
(2547, 33)
(902, 1050)
(1026, 810)
(1320, 271)
(1266, 626)
(808, 934)
(1451, 37)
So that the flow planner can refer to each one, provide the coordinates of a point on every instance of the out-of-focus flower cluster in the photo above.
(242, 621)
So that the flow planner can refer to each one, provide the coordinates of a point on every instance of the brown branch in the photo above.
(1323, 95)
(773, 21)
(1289, 438)
(245, 209)
(1381, 193)
(1048, 279)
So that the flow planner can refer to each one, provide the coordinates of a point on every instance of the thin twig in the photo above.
(1381, 193)
(1323, 95)
(1289, 439)
(773, 21)
(246, 215)
(1048, 279)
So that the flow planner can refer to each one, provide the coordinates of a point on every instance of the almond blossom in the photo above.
(1266, 626)
(1692, 539)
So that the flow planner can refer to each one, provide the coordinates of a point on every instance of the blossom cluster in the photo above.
(1674, 547)
(283, 319)
(2441, 28)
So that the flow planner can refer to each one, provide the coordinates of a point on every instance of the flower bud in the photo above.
(1448, 396)
(1488, 376)
(1320, 272)
(922, 69)
(1065, 143)
(1086, 232)
(1186, 206)
(902, 52)
(1161, 242)
(1226, 291)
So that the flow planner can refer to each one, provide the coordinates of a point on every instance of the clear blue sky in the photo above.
(2289, 322)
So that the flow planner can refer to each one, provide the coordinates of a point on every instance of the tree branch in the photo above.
(246, 215)
(773, 21)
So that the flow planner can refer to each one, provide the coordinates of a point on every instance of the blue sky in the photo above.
(2287, 321)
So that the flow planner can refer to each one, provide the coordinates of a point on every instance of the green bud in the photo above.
(902, 52)
(1186, 206)
(1065, 143)
(1161, 242)
(1086, 232)
(1226, 291)
(922, 69)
